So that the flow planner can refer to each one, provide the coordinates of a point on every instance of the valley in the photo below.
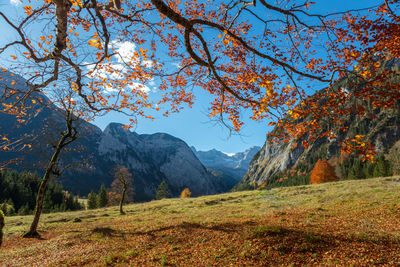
(342, 223)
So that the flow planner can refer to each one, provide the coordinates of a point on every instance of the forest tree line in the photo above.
(18, 192)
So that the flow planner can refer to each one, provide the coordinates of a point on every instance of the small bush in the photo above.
(186, 193)
(1, 226)
(7, 209)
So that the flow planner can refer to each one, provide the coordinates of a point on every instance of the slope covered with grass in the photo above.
(349, 222)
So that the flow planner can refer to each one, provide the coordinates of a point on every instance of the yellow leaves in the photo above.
(265, 84)
(76, 3)
(95, 43)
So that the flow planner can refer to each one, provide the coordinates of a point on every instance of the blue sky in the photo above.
(192, 124)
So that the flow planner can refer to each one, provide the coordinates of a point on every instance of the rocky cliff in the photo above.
(380, 126)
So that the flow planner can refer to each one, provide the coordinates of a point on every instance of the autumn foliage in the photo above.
(186, 193)
(323, 172)
(109, 54)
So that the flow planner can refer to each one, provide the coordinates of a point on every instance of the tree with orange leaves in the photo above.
(246, 54)
(185, 193)
(323, 172)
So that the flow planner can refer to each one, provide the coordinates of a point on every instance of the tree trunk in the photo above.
(122, 200)
(32, 233)
(67, 137)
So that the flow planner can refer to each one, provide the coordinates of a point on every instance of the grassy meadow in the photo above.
(335, 224)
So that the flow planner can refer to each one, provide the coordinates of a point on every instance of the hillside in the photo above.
(278, 161)
(344, 223)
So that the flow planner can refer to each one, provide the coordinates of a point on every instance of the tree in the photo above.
(122, 185)
(162, 191)
(92, 201)
(186, 193)
(395, 158)
(232, 49)
(382, 167)
(2, 218)
(323, 172)
(102, 197)
(66, 137)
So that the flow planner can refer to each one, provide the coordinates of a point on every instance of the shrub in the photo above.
(323, 172)
(2, 217)
(186, 193)
(8, 209)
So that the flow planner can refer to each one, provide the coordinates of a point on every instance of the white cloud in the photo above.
(125, 52)
(15, 2)
(177, 65)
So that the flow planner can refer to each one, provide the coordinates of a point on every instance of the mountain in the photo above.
(234, 165)
(92, 158)
(278, 164)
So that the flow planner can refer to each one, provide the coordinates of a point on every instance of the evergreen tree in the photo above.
(382, 167)
(356, 171)
(102, 197)
(162, 191)
(92, 201)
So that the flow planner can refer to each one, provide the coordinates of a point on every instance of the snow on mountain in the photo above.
(233, 164)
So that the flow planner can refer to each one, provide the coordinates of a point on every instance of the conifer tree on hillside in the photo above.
(382, 167)
(92, 201)
(323, 172)
(162, 191)
(102, 197)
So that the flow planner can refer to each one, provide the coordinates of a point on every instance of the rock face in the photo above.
(234, 165)
(154, 158)
(382, 129)
(269, 160)
(92, 158)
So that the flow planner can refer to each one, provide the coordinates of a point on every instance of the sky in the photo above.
(192, 124)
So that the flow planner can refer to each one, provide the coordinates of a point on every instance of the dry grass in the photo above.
(344, 223)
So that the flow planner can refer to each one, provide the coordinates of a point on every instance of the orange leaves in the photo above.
(323, 172)
(28, 10)
(95, 41)
(76, 3)
(13, 57)
(185, 193)
(358, 144)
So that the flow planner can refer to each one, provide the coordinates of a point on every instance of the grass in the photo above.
(343, 223)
